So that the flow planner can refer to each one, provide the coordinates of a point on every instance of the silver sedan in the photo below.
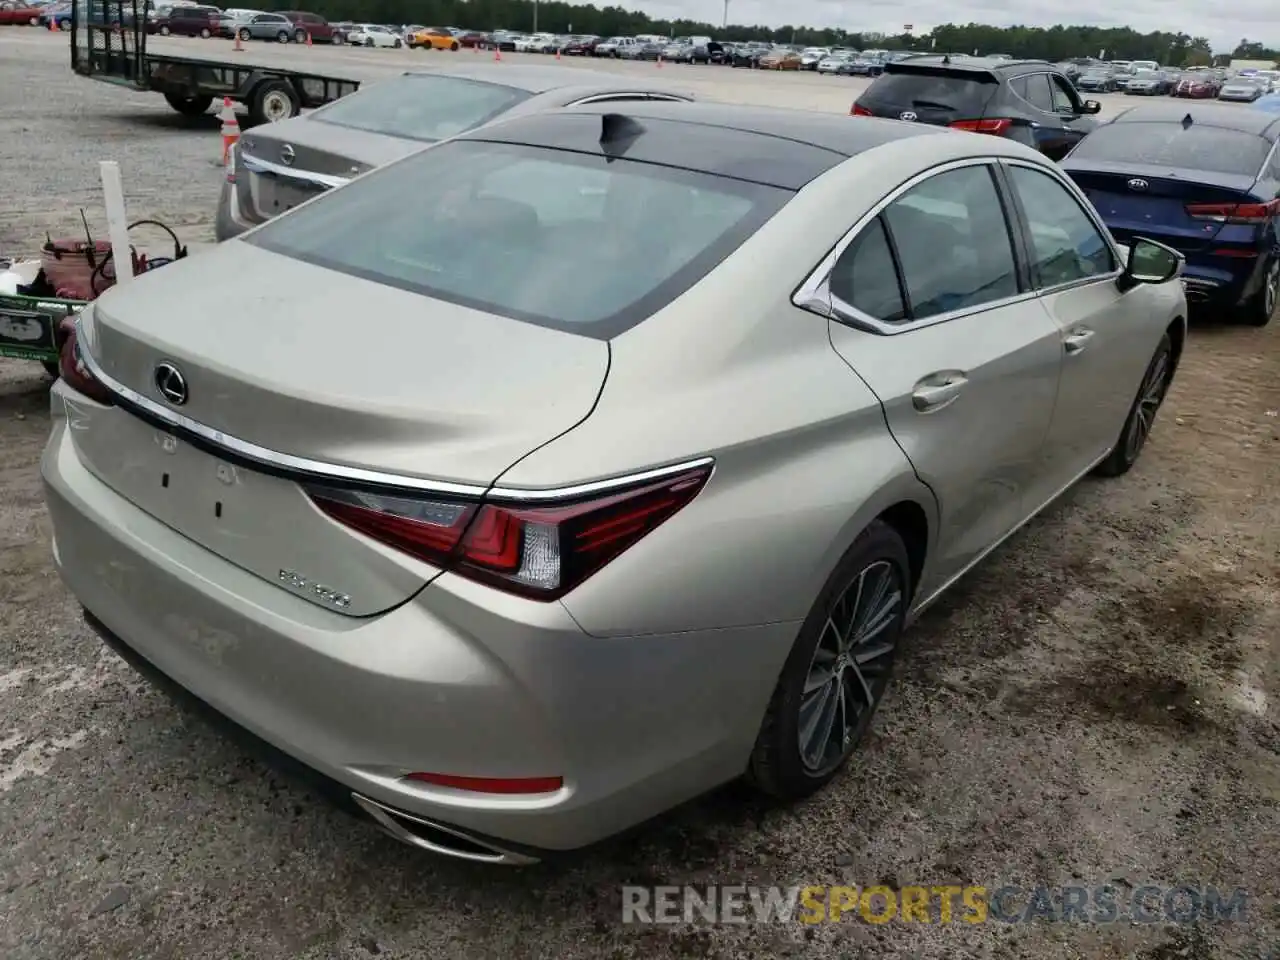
(542, 480)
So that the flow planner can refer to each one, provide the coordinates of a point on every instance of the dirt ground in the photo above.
(1100, 702)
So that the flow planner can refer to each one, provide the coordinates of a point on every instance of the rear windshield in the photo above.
(960, 92)
(422, 107)
(564, 240)
(1208, 149)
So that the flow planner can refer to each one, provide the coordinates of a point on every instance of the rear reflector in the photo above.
(1251, 213)
(996, 126)
(506, 786)
(1236, 254)
(541, 552)
(858, 111)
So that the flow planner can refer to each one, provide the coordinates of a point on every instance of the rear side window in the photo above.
(1198, 147)
(421, 106)
(1035, 90)
(564, 240)
(866, 278)
(961, 94)
(953, 243)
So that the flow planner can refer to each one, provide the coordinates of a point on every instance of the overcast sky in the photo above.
(1255, 19)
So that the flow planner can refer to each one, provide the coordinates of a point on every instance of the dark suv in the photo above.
(187, 22)
(1030, 101)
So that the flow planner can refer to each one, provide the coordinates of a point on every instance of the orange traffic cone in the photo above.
(659, 61)
(557, 53)
(239, 47)
(53, 23)
(497, 54)
(230, 128)
(309, 38)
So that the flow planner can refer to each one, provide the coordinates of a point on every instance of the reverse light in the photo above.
(996, 126)
(857, 111)
(504, 786)
(1246, 213)
(73, 370)
(541, 552)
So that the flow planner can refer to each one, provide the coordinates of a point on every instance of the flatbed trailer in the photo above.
(109, 43)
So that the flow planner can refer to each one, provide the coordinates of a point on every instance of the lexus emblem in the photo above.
(287, 155)
(908, 115)
(1137, 183)
(171, 383)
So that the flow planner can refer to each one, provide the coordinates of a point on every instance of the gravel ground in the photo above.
(1096, 703)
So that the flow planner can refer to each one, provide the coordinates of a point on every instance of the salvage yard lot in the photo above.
(1097, 702)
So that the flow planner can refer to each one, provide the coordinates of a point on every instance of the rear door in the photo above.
(1105, 340)
(929, 93)
(935, 319)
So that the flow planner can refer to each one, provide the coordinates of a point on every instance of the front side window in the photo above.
(565, 240)
(1066, 245)
(953, 243)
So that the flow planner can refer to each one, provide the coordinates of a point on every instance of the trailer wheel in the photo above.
(273, 101)
(189, 106)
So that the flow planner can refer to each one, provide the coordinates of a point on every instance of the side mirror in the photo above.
(1092, 106)
(1150, 262)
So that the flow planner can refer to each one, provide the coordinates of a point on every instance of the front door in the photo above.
(964, 362)
(1102, 341)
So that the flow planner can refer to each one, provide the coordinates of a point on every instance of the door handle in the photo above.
(1076, 340)
(930, 396)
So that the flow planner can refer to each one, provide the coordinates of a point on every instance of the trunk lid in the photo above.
(284, 164)
(933, 93)
(1135, 202)
(326, 367)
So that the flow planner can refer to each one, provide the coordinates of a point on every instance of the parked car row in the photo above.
(35, 13)
(1201, 83)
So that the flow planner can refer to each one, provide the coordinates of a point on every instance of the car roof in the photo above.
(781, 148)
(1217, 115)
(976, 64)
(540, 79)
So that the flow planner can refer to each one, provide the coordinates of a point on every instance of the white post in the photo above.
(117, 220)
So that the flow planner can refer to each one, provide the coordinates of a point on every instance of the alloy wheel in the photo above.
(850, 667)
(1150, 396)
(1271, 289)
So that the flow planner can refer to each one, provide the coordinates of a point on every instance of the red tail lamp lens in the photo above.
(504, 786)
(73, 370)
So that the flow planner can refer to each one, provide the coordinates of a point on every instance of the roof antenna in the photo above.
(617, 133)
(1187, 121)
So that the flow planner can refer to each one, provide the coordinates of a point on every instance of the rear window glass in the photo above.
(1203, 148)
(564, 240)
(422, 107)
(932, 90)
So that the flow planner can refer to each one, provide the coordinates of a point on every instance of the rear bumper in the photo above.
(460, 680)
(230, 220)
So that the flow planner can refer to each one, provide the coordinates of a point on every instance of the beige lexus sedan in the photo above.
(609, 469)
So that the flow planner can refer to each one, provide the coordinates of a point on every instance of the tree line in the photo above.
(1048, 43)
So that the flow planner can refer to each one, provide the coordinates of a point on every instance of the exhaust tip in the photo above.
(437, 838)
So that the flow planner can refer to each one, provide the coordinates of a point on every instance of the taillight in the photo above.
(504, 786)
(72, 368)
(996, 126)
(1253, 213)
(541, 552)
(858, 111)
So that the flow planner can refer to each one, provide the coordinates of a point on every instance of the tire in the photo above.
(398, 44)
(1146, 404)
(164, 30)
(283, 36)
(272, 101)
(1261, 307)
(189, 106)
(338, 40)
(454, 46)
(300, 36)
(205, 34)
(245, 36)
(778, 765)
(368, 41)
